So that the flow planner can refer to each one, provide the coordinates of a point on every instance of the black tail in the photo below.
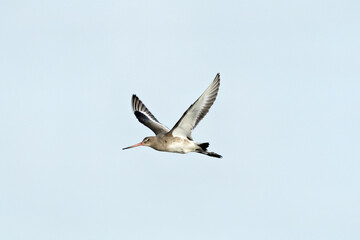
(204, 146)
(203, 150)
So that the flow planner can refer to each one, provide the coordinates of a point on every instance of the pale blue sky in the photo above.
(286, 119)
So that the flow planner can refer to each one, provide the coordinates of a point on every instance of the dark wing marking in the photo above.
(145, 116)
(197, 110)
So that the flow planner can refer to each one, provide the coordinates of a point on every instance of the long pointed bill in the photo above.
(136, 145)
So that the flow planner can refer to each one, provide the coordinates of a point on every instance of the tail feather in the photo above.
(203, 150)
(204, 146)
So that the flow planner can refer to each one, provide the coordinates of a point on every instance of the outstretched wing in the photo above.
(145, 116)
(196, 111)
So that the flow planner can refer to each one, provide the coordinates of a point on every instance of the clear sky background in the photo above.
(286, 119)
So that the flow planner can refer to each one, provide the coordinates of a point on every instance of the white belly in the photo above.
(182, 146)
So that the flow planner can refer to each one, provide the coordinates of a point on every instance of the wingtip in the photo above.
(217, 77)
(133, 97)
(133, 100)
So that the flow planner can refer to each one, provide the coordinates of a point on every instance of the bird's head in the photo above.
(148, 141)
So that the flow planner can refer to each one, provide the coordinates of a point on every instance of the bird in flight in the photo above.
(178, 139)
